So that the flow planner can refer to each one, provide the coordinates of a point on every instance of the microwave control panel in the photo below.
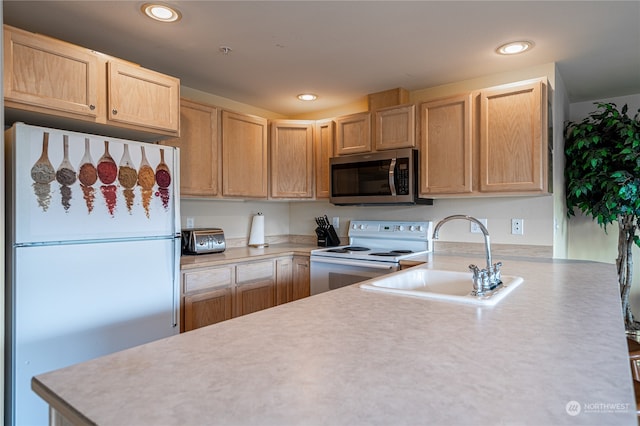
(402, 176)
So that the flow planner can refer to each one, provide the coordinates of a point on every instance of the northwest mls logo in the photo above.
(573, 408)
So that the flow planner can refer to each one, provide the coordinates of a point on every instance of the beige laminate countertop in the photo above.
(552, 352)
(236, 254)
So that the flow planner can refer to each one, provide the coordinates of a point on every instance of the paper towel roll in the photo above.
(256, 239)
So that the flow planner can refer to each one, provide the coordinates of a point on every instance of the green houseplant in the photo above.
(602, 179)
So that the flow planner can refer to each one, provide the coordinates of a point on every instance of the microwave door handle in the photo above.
(392, 178)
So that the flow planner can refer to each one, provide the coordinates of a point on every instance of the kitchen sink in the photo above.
(441, 285)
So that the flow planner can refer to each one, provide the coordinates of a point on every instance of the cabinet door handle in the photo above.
(114, 111)
(92, 107)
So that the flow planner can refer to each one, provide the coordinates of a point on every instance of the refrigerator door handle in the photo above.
(177, 251)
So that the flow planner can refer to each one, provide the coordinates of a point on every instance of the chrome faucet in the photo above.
(484, 280)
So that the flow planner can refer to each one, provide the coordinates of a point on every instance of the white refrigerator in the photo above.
(93, 255)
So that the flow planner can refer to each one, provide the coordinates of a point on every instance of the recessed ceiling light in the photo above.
(514, 47)
(161, 12)
(307, 97)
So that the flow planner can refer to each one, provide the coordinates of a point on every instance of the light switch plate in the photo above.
(475, 228)
(190, 223)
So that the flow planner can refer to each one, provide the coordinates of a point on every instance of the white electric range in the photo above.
(375, 248)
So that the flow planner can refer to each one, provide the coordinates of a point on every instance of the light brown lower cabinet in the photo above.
(255, 287)
(207, 308)
(284, 281)
(301, 285)
(214, 294)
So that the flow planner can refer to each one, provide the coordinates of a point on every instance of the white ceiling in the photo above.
(343, 50)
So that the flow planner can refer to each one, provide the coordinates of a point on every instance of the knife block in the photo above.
(327, 237)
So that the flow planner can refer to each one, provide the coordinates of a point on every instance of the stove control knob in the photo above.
(412, 228)
(401, 228)
(354, 226)
(420, 228)
(361, 226)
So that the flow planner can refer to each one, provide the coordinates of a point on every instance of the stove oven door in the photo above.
(332, 273)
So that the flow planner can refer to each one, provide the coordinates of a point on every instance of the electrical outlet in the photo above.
(475, 228)
(190, 223)
(517, 226)
(336, 222)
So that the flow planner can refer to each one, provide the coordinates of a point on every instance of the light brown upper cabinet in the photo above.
(198, 143)
(395, 127)
(494, 141)
(323, 140)
(353, 133)
(513, 138)
(139, 96)
(244, 155)
(43, 72)
(55, 79)
(445, 146)
(291, 159)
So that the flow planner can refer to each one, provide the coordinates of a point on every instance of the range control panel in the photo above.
(391, 229)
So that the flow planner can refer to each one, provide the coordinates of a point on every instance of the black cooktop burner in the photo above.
(392, 253)
(347, 249)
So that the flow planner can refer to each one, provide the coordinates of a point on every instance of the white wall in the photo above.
(587, 240)
(560, 113)
(234, 217)
(538, 228)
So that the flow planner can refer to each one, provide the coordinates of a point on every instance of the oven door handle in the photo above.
(392, 178)
(346, 262)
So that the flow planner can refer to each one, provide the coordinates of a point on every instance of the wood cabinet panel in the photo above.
(395, 127)
(323, 140)
(255, 296)
(207, 308)
(54, 83)
(500, 147)
(291, 159)
(208, 278)
(446, 146)
(301, 286)
(388, 98)
(247, 272)
(512, 138)
(353, 133)
(198, 143)
(44, 72)
(215, 294)
(244, 155)
(284, 280)
(140, 96)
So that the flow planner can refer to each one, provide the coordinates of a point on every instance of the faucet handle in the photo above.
(475, 270)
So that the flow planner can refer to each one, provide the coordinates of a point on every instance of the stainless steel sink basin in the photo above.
(439, 284)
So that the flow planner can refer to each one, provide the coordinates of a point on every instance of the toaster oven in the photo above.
(203, 241)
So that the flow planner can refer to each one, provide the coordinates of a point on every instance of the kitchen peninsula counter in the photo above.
(552, 352)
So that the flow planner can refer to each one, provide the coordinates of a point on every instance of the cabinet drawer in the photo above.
(208, 278)
(254, 271)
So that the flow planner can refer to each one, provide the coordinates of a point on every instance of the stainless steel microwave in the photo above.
(379, 178)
